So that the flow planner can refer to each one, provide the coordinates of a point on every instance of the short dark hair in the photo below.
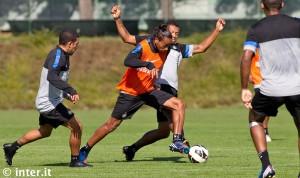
(272, 4)
(67, 35)
(162, 31)
(172, 22)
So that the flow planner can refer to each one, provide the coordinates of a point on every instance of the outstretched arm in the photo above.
(206, 43)
(124, 34)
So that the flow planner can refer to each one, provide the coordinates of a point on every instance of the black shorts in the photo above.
(127, 105)
(56, 117)
(165, 115)
(268, 106)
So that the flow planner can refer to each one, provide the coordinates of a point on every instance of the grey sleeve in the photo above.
(54, 69)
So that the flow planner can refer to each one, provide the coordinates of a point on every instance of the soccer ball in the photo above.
(198, 154)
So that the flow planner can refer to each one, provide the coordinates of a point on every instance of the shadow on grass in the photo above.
(175, 159)
(56, 164)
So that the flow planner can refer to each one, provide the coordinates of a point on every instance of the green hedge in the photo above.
(206, 80)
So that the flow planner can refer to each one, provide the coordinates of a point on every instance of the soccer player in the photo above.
(53, 89)
(137, 88)
(277, 37)
(168, 79)
(255, 78)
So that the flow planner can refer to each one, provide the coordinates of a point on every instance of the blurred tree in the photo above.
(53, 9)
(56, 10)
(167, 9)
(253, 6)
(86, 9)
(136, 9)
(17, 6)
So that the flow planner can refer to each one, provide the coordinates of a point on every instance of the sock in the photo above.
(264, 158)
(183, 137)
(266, 131)
(177, 137)
(87, 147)
(74, 158)
(134, 147)
(16, 145)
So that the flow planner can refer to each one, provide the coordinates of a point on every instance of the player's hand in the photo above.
(154, 73)
(246, 97)
(116, 11)
(220, 24)
(74, 98)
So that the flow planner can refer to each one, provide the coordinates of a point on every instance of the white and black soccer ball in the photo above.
(198, 154)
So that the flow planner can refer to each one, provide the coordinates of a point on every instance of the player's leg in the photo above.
(293, 106)
(259, 140)
(265, 125)
(262, 106)
(178, 115)
(161, 132)
(33, 135)
(159, 99)
(299, 150)
(74, 141)
(107, 127)
(125, 107)
(61, 115)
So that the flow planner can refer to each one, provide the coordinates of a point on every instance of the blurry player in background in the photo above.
(168, 78)
(53, 89)
(255, 78)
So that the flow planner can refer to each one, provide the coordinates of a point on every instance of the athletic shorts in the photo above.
(268, 105)
(127, 105)
(56, 117)
(165, 114)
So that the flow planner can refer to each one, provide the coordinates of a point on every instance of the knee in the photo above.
(165, 133)
(111, 125)
(76, 127)
(164, 130)
(45, 132)
(255, 117)
(80, 126)
(179, 104)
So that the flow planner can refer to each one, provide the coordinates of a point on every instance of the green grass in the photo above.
(224, 131)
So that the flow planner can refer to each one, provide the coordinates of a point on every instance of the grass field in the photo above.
(224, 131)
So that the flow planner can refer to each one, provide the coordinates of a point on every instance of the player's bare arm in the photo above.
(206, 43)
(124, 34)
(246, 94)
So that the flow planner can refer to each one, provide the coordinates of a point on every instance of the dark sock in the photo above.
(264, 158)
(74, 158)
(266, 131)
(87, 147)
(134, 147)
(16, 145)
(177, 137)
